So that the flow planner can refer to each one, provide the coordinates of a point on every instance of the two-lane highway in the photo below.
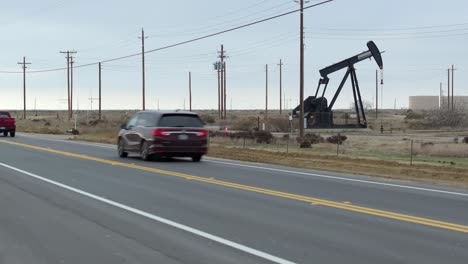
(76, 202)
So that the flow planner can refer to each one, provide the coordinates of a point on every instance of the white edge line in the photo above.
(338, 178)
(158, 219)
(214, 160)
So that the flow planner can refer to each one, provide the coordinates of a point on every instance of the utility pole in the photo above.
(222, 81)
(301, 75)
(219, 89)
(453, 95)
(222, 56)
(281, 85)
(285, 106)
(91, 100)
(71, 83)
(143, 65)
(225, 91)
(266, 96)
(68, 52)
(190, 90)
(376, 94)
(381, 89)
(100, 86)
(448, 88)
(440, 96)
(24, 63)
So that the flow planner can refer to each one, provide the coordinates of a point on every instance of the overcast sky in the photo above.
(421, 39)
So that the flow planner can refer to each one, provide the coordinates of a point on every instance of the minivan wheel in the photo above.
(5, 134)
(12, 133)
(144, 151)
(196, 158)
(120, 149)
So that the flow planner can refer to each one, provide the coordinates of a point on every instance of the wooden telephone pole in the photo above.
(24, 63)
(301, 74)
(266, 96)
(190, 90)
(219, 89)
(448, 89)
(222, 81)
(453, 94)
(100, 86)
(281, 85)
(68, 57)
(143, 66)
(71, 83)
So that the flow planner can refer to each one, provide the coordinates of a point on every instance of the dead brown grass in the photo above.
(381, 168)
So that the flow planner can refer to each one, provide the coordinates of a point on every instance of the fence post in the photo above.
(287, 145)
(411, 159)
(337, 149)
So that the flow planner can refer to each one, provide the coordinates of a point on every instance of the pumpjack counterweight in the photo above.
(318, 112)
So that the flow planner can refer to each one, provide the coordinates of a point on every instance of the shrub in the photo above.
(410, 114)
(263, 137)
(465, 140)
(279, 124)
(305, 144)
(244, 124)
(207, 119)
(314, 138)
(242, 134)
(455, 140)
(337, 139)
(95, 122)
(426, 144)
(446, 118)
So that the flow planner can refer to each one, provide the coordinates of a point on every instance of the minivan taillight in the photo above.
(161, 132)
(202, 133)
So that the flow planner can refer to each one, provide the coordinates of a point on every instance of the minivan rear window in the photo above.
(180, 120)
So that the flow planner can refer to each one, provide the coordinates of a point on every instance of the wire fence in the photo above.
(409, 150)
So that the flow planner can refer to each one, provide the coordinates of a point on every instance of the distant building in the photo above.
(423, 102)
(435, 102)
(459, 102)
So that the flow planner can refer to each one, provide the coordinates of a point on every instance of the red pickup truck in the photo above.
(7, 124)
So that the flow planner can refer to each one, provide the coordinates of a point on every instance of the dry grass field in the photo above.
(439, 155)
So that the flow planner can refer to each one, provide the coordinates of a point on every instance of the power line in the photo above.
(392, 29)
(391, 38)
(220, 25)
(391, 34)
(187, 41)
(171, 26)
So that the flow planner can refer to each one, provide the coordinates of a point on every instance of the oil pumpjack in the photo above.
(316, 109)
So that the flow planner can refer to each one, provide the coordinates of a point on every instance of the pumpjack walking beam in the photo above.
(373, 52)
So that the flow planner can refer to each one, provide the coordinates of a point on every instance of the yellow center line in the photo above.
(311, 200)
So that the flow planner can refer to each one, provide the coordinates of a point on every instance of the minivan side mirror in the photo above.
(123, 126)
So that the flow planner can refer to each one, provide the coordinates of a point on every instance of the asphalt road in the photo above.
(76, 202)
